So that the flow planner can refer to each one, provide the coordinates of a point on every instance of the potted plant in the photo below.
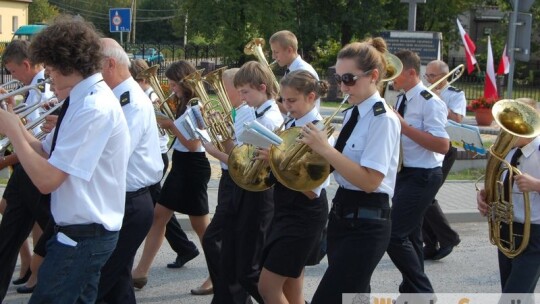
(482, 110)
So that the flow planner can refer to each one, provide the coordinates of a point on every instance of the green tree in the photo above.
(40, 11)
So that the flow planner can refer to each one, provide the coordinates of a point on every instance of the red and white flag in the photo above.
(504, 64)
(490, 84)
(470, 48)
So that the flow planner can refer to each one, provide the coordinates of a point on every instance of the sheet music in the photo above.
(189, 129)
(258, 135)
(465, 136)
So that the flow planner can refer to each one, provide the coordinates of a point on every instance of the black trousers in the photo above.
(520, 274)
(355, 245)
(25, 206)
(115, 283)
(212, 241)
(436, 229)
(244, 235)
(175, 235)
(414, 192)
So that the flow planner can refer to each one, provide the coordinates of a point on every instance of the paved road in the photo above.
(471, 268)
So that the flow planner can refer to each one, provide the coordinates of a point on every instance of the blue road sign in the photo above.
(120, 19)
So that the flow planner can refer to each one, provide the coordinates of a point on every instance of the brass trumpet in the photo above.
(5, 142)
(38, 87)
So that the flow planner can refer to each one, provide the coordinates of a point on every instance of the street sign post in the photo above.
(120, 20)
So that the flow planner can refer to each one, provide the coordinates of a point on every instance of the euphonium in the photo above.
(166, 106)
(217, 119)
(254, 47)
(294, 164)
(516, 120)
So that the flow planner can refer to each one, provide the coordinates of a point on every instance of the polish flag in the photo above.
(470, 48)
(490, 86)
(504, 64)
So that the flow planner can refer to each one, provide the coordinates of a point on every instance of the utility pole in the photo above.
(134, 20)
(412, 13)
(185, 29)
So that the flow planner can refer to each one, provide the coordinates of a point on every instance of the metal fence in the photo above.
(527, 76)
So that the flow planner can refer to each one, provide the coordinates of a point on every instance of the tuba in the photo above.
(216, 114)
(516, 120)
(254, 47)
(166, 106)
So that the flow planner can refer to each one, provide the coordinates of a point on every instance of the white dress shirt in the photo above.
(374, 143)
(454, 99)
(92, 148)
(145, 167)
(427, 115)
(528, 163)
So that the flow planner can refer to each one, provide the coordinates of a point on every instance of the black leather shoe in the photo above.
(429, 253)
(181, 260)
(24, 279)
(24, 289)
(445, 251)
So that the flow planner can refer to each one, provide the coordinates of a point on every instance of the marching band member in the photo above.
(177, 238)
(284, 45)
(424, 141)
(144, 169)
(247, 222)
(24, 204)
(224, 291)
(299, 217)
(520, 274)
(185, 188)
(365, 159)
(439, 238)
(84, 170)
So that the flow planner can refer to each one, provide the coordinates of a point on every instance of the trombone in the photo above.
(455, 74)
(38, 87)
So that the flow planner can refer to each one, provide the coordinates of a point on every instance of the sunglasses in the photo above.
(349, 79)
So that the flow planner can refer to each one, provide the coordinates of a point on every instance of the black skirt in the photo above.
(295, 233)
(185, 188)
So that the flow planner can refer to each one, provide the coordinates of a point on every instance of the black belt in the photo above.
(132, 194)
(351, 204)
(86, 230)
(349, 212)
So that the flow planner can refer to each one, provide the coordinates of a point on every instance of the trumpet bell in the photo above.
(305, 171)
(244, 172)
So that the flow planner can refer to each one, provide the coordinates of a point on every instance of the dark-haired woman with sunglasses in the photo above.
(365, 159)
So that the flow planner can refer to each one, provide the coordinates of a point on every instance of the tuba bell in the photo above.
(516, 120)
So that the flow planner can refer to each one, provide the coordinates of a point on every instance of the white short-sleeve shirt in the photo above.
(455, 100)
(268, 115)
(301, 64)
(374, 143)
(92, 148)
(145, 167)
(35, 97)
(426, 112)
(528, 163)
(164, 136)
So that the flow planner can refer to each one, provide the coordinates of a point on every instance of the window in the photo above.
(15, 23)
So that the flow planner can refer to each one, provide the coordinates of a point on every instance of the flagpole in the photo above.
(511, 49)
